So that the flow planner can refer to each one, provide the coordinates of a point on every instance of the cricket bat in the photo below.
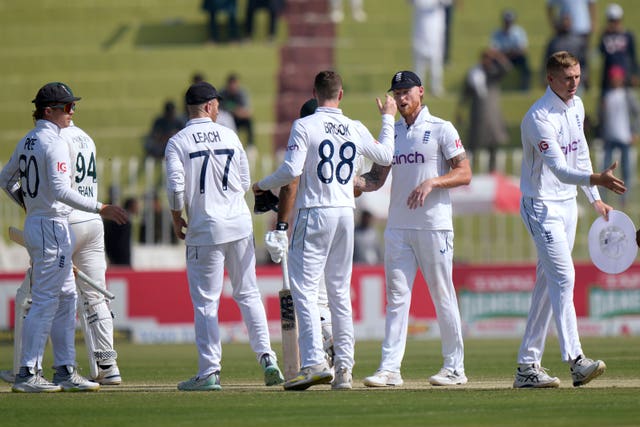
(290, 352)
(16, 235)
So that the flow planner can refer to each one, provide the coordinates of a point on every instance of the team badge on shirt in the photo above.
(426, 137)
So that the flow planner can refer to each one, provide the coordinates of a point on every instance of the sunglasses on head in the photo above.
(68, 107)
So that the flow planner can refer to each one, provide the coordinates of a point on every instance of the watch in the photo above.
(282, 226)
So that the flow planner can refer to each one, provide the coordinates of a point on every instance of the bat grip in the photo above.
(285, 271)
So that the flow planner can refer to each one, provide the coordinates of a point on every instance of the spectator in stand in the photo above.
(583, 19)
(273, 7)
(511, 40)
(214, 8)
(619, 121)
(235, 100)
(117, 238)
(618, 48)
(156, 226)
(429, 42)
(357, 11)
(163, 128)
(366, 242)
(486, 128)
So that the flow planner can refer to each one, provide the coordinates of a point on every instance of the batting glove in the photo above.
(277, 244)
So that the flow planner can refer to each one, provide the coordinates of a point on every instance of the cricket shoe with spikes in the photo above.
(310, 376)
(209, 383)
(8, 376)
(534, 376)
(68, 378)
(382, 378)
(272, 373)
(584, 370)
(108, 375)
(29, 380)
(448, 377)
(342, 380)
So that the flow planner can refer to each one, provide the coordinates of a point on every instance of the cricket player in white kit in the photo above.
(41, 164)
(555, 161)
(87, 239)
(207, 177)
(322, 150)
(429, 159)
(87, 236)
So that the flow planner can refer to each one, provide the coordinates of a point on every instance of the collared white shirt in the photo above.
(422, 151)
(555, 155)
(208, 176)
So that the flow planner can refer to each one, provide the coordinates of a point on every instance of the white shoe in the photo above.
(68, 378)
(448, 377)
(383, 378)
(534, 376)
(584, 370)
(359, 16)
(309, 376)
(109, 375)
(272, 373)
(31, 381)
(208, 383)
(343, 380)
(337, 16)
(7, 375)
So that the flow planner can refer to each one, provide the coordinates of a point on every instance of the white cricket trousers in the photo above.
(53, 293)
(205, 273)
(88, 255)
(322, 243)
(432, 252)
(552, 226)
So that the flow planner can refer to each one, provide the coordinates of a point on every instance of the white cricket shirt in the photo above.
(555, 154)
(208, 176)
(323, 150)
(84, 169)
(41, 162)
(422, 151)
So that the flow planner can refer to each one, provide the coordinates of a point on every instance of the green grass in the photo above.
(148, 395)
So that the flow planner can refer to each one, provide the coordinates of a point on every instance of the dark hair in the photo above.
(327, 84)
(561, 60)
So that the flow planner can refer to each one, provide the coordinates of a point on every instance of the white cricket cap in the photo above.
(614, 12)
(612, 244)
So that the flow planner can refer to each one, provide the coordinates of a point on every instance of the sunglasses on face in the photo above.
(68, 108)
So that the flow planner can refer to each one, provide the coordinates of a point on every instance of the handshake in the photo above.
(277, 243)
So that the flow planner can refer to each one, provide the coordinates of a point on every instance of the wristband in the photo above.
(282, 226)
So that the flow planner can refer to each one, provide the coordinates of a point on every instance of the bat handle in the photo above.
(285, 271)
(86, 279)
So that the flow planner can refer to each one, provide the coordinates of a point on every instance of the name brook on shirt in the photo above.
(336, 129)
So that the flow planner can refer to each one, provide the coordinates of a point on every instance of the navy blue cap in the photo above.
(405, 80)
(55, 92)
(199, 93)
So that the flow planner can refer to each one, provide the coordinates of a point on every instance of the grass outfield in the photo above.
(148, 396)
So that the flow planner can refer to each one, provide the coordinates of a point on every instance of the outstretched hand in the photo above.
(608, 180)
(389, 106)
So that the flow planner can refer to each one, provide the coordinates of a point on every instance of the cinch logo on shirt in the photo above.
(573, 146)
(293, 147)
(61, 167)
(399, 159)
(336, 129)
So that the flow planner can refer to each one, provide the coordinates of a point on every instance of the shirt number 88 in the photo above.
(326, 170)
